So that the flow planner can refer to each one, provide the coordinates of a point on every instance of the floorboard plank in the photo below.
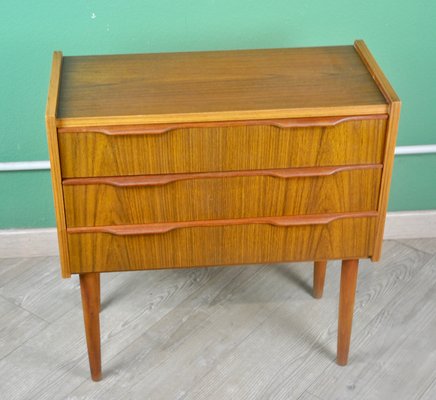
(16, 326)
(430, 392)
(11, 268)
(173, 354)
(38, 287)
(395, 352)
(426, 245)
(131, 303)
(308, 396)
(289, 364)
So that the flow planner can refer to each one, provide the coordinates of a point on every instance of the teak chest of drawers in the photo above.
(217, 158)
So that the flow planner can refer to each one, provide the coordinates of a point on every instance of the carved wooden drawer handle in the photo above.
(156, 228)
(158, 180)
(157, 129)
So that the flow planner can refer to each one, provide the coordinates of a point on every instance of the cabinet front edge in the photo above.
(223, 116)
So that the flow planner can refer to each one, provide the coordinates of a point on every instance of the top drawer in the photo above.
(228, 146)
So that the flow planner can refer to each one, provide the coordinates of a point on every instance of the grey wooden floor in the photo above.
(223, 333)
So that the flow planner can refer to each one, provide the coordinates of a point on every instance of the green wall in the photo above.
(401, 35)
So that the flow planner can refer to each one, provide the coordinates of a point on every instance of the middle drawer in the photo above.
(221, 195)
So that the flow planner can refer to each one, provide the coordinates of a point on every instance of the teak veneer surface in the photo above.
(221, 198)
(221, 148)
(53, 147)
(216, 86)
(222, 245)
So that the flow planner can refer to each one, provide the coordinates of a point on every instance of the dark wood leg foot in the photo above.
(90, 290)
(346, 308)
(319, 270)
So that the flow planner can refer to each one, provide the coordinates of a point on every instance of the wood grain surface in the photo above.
(214, 86)
(219, 198)
(90, 291)
(158, 180)
(165, 227)
(187, 150)
(222, 245)
(376, 72)
(157, 129)
(391, 136)
(55, 170)
(319, 271)
(388, 165)
(349, 271)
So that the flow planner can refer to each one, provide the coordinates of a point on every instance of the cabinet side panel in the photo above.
(55, 168)
(391, 137)
(388, 163)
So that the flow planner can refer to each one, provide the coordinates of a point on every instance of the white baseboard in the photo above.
(43, 242)
(410, 224)
(28, 242)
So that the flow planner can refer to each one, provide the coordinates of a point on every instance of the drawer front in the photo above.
(147, 150)
(191, 197)
(221, 245)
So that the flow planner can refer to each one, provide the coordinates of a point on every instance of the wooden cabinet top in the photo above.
(219, 85)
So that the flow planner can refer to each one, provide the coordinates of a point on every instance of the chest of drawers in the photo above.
(180, 160)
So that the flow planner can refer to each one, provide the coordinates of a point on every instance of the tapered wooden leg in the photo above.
(90, 290)
(319, 269)
(98, 290)
(346, 308)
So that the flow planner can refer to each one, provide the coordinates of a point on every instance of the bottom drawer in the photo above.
(195, 246)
